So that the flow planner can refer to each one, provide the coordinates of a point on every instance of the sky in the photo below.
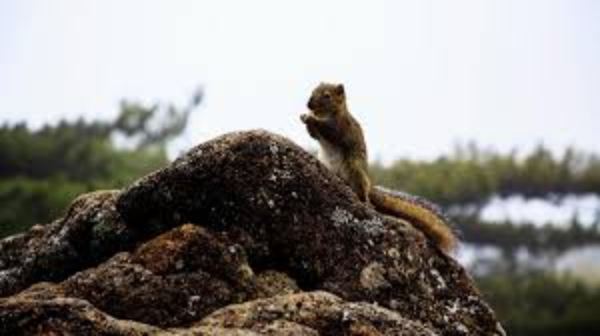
(421, 76)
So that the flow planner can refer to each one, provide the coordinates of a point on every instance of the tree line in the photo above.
(42, 170)
(471, 176)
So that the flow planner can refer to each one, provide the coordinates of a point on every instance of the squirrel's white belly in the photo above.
(330, 156)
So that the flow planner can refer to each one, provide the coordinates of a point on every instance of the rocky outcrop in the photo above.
(277, 245)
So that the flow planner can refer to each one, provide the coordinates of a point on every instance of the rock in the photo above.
(279, 245)
(190, 248)
(301, 219)
(90, 232)
(68, 316)
(62, 316)
(173, 280)
(319, 313)
(271, 283)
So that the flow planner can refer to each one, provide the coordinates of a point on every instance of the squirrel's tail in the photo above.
(424, 215)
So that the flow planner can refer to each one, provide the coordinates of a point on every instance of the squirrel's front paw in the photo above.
(304, 117)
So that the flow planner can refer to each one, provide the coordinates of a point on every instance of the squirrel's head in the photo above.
(327, 99)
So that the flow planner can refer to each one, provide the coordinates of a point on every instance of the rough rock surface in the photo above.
(278, 245)
(319, 313)
(91, 231)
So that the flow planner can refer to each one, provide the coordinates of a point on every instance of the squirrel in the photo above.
(344, 151)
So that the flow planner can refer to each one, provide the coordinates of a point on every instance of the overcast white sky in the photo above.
(420, 75)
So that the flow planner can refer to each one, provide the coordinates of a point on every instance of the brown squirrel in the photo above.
(343, 151)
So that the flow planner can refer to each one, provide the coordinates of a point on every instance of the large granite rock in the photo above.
(278, 245)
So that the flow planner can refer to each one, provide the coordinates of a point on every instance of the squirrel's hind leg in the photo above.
(359, 182)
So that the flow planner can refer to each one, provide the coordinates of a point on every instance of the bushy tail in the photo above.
(424, 215)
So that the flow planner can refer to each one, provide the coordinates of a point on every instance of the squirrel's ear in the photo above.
(339, 89)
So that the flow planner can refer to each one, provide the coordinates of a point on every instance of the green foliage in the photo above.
(510, 236)
(471, 176)
(76, 151)
(41, 171)
(543, 304)
(31, 201)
